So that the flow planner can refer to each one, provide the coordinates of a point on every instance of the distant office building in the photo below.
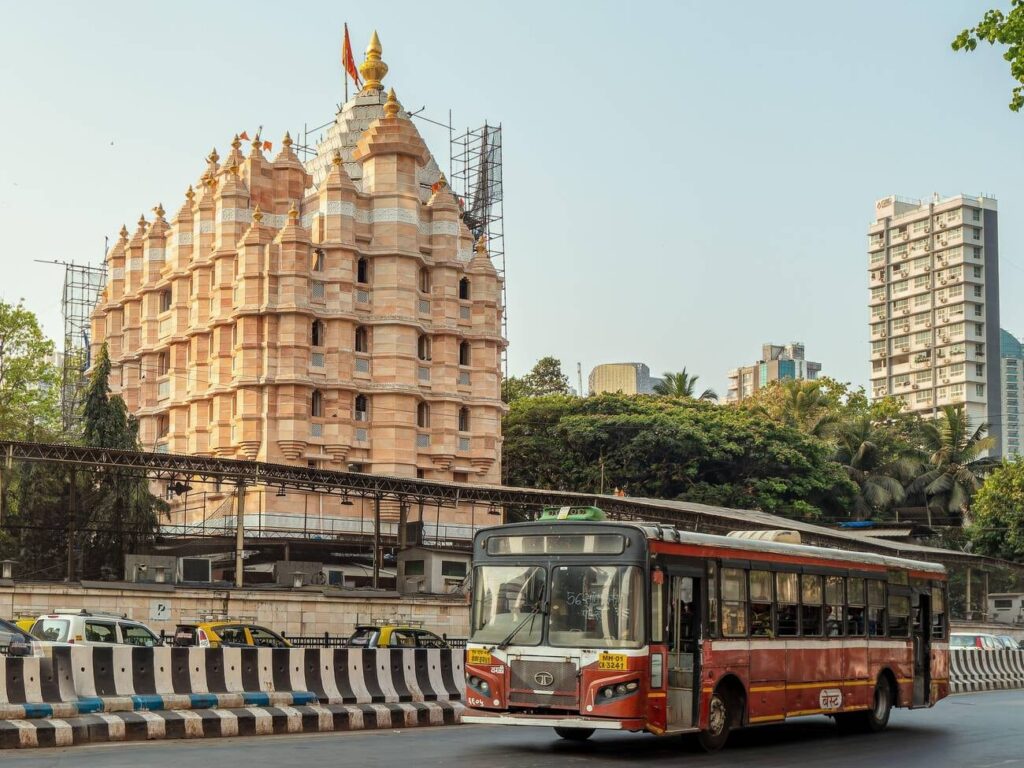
(933, 274)
(1011, 369)
(778, 362)
(627, 378)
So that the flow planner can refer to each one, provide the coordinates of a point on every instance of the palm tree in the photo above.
(807, 408)
(953, 471)
(682, 384)
(862, 449)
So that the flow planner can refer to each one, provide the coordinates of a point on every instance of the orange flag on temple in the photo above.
(244, 135)
(347, 60)
(268, 145)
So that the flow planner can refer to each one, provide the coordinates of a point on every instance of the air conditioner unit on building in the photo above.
(927, 228)
(194, 569)
(882, 334)
(905, 256)
(943, 299)
(927, 246)
(942, 224)
(945, 381)
(927, 323)
(943, 281)
(945, 339)
(944, 241)
(906, 311)
(913, 386)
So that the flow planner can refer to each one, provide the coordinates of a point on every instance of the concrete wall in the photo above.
(307, 611)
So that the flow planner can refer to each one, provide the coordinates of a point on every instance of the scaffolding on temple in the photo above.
(82, 287)
(476, 179)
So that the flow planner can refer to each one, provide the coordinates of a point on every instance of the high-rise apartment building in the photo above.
(627, 378)
(933, 276)
(778, 362)
(334, 313)
(1011, 371)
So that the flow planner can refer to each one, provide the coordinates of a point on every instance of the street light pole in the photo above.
(239, 532)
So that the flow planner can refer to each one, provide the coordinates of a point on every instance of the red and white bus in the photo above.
(583, 624)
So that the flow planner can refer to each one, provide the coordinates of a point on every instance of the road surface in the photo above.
(978, 730)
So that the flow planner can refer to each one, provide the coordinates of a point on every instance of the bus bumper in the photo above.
(553, 721)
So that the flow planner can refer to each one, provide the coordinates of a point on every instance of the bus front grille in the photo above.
(543, 684)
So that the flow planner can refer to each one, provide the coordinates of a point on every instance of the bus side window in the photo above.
(876, 608)
(761, 604)
(712, 618)
(834, 606)
(734, 602)
(938, 613)
(811, 613)
(899, 616)
(657, 606)
(855, 607)
(787, 612)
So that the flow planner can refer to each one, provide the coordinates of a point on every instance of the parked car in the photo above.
(980, 640)
(93, 628)
(14, 641)
(1009, 643)
(216, 634)
(394, 636)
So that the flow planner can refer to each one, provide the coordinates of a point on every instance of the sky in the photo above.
(683, 181)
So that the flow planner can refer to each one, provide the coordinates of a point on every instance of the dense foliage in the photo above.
(999, 28)
(996, 524)
(29, 382)
(811, 449)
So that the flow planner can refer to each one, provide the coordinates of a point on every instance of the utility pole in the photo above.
(376, 541)
(73, 499)
(239, 533)
(579, 377)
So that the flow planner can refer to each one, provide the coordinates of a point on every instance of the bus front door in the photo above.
(684, 651)
(922, 624)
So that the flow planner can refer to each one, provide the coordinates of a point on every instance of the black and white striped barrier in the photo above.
(248, 721)
(973, 669)
(77, 680)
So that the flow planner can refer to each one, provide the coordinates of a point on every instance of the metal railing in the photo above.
(327, 640)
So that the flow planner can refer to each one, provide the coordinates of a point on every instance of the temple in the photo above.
(334, 313)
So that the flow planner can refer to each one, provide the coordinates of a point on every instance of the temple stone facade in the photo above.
(335, 313)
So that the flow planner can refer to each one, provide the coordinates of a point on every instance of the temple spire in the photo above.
(373, 69)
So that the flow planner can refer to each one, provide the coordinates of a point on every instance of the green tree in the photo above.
(545, 378)
(996, 525)
(671, 448)
(682, 384)
(869, 454)
(119, 514)
(954, 469)
(29, 384)
(999, 28)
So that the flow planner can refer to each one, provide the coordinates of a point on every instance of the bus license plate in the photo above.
(615, 661)
(479, 656)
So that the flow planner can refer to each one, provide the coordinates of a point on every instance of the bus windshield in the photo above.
(597, 605)
(507, 597)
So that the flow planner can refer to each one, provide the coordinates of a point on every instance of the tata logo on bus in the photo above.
(830, 698)
(544, 679)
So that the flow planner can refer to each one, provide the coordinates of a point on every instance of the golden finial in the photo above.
(190, 193)
(481, 245)
(257, 214)
(159, 210)
(234, 169)
(293, 213)
(236, 142)
(336, 160)
(256, 143)
(287, 140)
(142, 220)
(373, 69)
(391, 106)
(213, 157)
(124, 232)
(442, 181)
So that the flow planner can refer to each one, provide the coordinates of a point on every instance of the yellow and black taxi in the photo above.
(218, 634)
(394, 636)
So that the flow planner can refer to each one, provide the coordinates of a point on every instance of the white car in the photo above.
(93, 628)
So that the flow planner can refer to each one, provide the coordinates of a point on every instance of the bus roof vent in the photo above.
(572, 513)
(782, 536)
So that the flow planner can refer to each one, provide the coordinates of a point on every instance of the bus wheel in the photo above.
(575, 734)
(876, 718)
(719, 719)
(871, 720)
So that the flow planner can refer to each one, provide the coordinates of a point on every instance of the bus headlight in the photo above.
(617, 691)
